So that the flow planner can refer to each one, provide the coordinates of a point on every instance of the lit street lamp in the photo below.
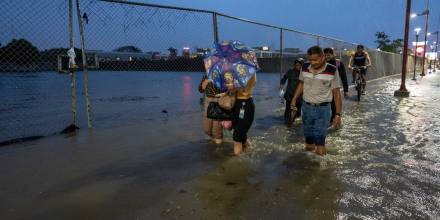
(426, 12)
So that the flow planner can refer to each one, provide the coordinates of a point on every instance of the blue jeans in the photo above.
(316, 120)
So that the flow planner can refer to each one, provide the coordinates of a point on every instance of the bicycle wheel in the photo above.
(359, 90)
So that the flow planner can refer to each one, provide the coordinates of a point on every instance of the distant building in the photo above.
(122, 56)
(263, 52)
(173, 53)
(155, 55)
(186, 52)
(201, 52)
(292, 50)
(266, 52)
(262, 48)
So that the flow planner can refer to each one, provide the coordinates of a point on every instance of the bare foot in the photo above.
(310, 147)
(246, 145)
(320, 150)
(238, 148)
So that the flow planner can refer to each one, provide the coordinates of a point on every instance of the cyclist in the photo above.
(360, 59)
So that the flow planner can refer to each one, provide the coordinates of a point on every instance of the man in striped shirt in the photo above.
(319, 84)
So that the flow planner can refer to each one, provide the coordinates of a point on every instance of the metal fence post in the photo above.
(72, 70)
(341, 48)
(215, 26)
(85, 68)
(281, 53)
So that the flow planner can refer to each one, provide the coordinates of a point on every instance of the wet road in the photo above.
(383, 164)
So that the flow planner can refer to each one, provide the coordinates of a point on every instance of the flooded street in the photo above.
(383, 164)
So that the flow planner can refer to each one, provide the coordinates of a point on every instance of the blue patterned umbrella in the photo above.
(230, 62)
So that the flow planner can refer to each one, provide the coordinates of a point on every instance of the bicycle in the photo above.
(358, 80)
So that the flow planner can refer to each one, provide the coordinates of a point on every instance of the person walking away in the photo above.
(213, 128)
(292, 78)
(330, 58)
(243, 115)
(319, 84)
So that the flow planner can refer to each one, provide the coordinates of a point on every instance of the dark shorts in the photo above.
(241, 126)
(362, 71)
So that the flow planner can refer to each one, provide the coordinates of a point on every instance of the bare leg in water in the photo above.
(310, 147)
(238, 148)
(320, 150)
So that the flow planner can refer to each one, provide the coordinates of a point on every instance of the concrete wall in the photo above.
(383, 64)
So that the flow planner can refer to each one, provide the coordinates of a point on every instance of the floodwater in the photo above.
(140, 163)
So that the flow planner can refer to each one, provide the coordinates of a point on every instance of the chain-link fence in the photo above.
(34, 99)
(40, 94)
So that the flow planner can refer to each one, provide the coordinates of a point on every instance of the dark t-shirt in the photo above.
(342, 73)
(292, 78)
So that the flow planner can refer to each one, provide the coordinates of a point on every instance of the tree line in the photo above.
(21, 52)
(384, 43)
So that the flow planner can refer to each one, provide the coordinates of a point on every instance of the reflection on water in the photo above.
(187, 92)
(39, 103)
(383, 163)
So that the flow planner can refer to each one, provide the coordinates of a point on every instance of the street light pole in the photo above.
(430, 61)
(436, 52)
(415, 53)
(426, 36)
(403, 92)
(417, 30)
(436, 56)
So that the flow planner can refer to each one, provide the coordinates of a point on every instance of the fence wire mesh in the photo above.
(32, 93)
(265, 40)
(149, 39)
(122, 37)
